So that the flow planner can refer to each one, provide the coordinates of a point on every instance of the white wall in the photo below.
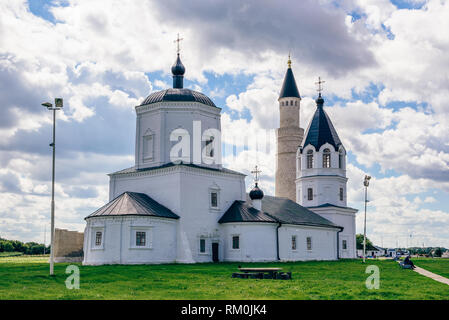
(118, 244)
(257, 241)
(324, 243)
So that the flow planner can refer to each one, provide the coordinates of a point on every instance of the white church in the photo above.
(179, 204)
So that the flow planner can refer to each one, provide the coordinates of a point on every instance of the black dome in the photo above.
(178, 94)
(178, 68)
(256, 193)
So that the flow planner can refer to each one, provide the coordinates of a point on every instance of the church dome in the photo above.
(178, 94)
(256, 193)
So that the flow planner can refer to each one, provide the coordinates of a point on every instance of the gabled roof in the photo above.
(275, 209)
(321, 130)
(289, 88)
(241, 211)
(136, 204)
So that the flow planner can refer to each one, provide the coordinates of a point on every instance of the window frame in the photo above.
(94, 245)
(233, 237)
(148, 155)
(344, 244)
(327, 158)
(294, 243)
(309, 159)
(148, 230)
(138, 240)
(342, 196)
(309, 246)
(202, 240)
(309, 194)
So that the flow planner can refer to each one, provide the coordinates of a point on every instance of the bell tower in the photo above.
(289, 136)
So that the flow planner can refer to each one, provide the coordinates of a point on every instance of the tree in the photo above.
(359, 241)
(438, 252)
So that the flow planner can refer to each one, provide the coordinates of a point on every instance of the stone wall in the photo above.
(68, 246)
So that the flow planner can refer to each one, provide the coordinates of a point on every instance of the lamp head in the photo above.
(366, 182)
(58, 102)
(47, 104)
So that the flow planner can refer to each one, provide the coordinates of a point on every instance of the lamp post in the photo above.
(49, 106)
(366, 184)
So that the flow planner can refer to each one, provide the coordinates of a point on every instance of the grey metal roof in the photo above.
(136, 204)
(178, 94)
(241, 211)
(321, 130)
(275, 209)
(289, 88)
(171, 164)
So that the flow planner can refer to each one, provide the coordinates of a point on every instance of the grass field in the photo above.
(27, 278)
(435, 265)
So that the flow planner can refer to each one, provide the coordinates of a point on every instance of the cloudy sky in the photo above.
(385, 64)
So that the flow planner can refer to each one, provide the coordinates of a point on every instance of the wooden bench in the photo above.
(262, 273)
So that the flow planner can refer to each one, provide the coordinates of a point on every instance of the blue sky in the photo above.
(385, 93)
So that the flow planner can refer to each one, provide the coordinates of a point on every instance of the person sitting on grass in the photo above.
(409, 262)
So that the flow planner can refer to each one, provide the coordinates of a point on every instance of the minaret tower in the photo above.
(289, 136)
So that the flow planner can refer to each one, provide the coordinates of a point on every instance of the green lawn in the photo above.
(27, 278)
(436, 265)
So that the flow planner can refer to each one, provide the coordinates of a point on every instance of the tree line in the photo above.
(25, 248)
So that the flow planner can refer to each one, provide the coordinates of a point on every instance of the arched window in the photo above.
(341, 158)
(341, 194)
(326, 158)
(291, 102)
(309, 159)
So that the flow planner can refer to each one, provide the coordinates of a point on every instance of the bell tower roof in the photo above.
(289, 88)
(321, 130)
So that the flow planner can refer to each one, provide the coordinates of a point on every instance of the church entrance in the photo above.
(215, 251)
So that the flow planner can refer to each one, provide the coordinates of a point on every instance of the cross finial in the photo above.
(178, 40)
(289, 62)
(256, 172)
(320, 88)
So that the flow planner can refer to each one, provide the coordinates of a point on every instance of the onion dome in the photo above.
(178, 71)
(256, 193)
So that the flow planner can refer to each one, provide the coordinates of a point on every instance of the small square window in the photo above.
(202, 245)
(98, 238)
(235, 242)
(309, 243)
(141, 238)
(293, 242)
(345, 245)
(214, 199)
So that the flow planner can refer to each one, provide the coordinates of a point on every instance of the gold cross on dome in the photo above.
(178, 40)
(320, 88)
(256, 172)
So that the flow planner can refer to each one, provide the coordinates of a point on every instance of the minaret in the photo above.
(289, 136)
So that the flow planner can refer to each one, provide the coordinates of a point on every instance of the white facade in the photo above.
(178, 166)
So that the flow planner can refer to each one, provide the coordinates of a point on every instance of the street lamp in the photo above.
(366, 184)
(49, 106)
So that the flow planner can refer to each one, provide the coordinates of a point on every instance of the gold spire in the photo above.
(289, 62)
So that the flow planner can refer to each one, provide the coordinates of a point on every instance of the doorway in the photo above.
(215, 251)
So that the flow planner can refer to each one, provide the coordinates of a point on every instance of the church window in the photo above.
(282, 103)
(214, 199)
(309, 159)
(340, 160)
(210, 147)
(148, 144)
(293, 242)
(344, 245)
(235, 242)
(98, 238)
(140, 238)
(291, 102)
(296, 103)
(326, 158)
(309, 194)
(202, 245)
(309, 243)
(341, 194)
